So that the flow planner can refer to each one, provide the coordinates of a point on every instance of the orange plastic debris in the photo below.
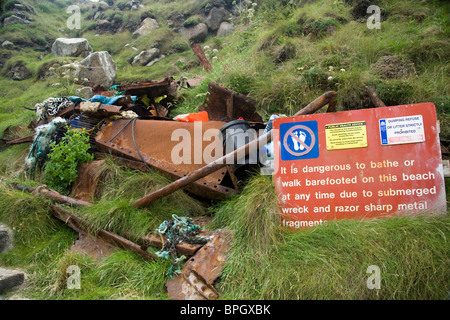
(192, 117)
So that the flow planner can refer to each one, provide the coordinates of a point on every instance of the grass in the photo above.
(331, 261)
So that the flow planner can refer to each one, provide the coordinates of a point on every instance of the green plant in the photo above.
(64, 158)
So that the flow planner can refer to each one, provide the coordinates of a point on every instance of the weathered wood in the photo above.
(81, 226)
(231, 157)
(51, 194)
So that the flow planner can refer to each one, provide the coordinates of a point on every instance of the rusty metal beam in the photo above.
(153, 240)
(26, 139)
(231, 157)
(201, 57)
(323, 100)
(377, 102)
(82, 226)
(51, 194)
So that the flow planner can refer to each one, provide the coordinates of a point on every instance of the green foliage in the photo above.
(192, 21)
(64, 158)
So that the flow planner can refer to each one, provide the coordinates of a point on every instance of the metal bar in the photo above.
(204, 62)
(231, 157)
(26, 139)
(52, 194)
(326, 98)
(156, 241)
(80, 225)
(377, 102)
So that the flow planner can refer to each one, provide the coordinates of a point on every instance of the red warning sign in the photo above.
(358, 164)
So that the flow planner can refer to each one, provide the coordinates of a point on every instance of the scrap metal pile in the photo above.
(131, 123)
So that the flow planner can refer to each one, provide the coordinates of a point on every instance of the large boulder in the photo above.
(71, 47)
(147, 26)
(225, 29)
(215, 17)
(99, 68)
(145, 57)
(196, 33)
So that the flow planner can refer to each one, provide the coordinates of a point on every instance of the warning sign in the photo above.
(358, 164)
(402, 130)
(299, 140)
(346, 135)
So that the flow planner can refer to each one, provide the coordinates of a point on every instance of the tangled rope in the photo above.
(178, 230)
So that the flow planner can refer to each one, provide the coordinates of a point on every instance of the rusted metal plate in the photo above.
(152, 89)
(154, 141)
(95, 247)
(223, 104)
(87, 183)
(201, 271)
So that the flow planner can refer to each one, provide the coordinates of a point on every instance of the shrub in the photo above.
(64, 158)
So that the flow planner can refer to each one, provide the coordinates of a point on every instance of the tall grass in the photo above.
(330, 261)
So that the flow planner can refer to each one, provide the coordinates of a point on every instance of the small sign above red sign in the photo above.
(358, 164)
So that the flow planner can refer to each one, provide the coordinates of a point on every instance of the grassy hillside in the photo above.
(284, 56)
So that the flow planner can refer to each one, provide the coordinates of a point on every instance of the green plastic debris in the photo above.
(179, 229)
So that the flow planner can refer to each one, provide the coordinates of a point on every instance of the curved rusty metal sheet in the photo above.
(154, 141)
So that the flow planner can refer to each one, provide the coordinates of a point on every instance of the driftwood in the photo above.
(42, 190)
(82, 226)
(231, 157)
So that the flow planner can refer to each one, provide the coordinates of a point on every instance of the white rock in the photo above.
(147, 27)
(71, 47)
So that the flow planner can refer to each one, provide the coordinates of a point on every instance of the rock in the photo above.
(102, 5)
(225, 29)
(197, 33)
(10, 279)
(104, 26)
(99, 68)
(14, 20)
(85, 92)
(71, 47)
(215, 17)
(18, 71)
(147, 27)
(5, 239)
(7, 45)
(145, 57)
(390, 67)
(155, 61)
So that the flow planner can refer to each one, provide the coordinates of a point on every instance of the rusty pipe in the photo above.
(228, 158)
(327, 98)
(51, 194)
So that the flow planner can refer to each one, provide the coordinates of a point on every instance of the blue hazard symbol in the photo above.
(299, 140)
